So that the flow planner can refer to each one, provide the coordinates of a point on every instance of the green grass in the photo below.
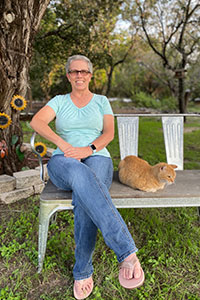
(168, 241)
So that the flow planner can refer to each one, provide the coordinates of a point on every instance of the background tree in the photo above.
(84, 27)
(141, 72)
(117, 55)
(19, 23)
(171, 28)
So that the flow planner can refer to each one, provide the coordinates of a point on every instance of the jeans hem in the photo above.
(122, 257)
(83, 276)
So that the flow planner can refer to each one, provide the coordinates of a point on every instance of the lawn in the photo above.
(168, 240)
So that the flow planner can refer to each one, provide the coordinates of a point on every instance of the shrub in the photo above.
(142, 99)
(169, 104)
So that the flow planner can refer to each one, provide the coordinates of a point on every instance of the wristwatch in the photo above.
(93, 147)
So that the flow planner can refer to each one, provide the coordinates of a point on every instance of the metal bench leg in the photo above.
(43, 232)
(44, 216)
(53, 218)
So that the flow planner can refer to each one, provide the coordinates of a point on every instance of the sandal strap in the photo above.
(82, 282)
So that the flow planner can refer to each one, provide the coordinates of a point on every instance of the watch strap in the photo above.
(93, 147)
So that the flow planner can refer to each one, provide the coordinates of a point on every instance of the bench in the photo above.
(184, 193)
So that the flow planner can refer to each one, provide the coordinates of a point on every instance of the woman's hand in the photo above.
(74, 152)
(77, 152)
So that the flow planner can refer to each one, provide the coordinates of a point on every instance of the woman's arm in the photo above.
(107, 134)
(102, 141)
(40, 124)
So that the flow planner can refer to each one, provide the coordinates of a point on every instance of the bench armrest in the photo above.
(32, 143)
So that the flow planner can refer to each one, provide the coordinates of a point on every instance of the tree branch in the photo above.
(57, 32)
(163, 56)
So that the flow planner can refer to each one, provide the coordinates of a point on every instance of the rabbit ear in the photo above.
(174, 166)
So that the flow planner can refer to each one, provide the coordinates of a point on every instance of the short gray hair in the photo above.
(79, 57)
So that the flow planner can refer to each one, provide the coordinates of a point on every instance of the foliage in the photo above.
(141, 99)
(192, 79)
(92, 28)
(168, 104)
(71, 27)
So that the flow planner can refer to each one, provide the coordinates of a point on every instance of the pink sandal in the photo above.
(80, 291)
(133, 282)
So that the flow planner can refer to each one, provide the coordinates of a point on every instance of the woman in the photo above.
(81, 163)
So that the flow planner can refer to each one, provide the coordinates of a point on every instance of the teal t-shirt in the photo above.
(80, 126)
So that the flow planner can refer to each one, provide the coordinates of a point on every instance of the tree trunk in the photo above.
(19, 22)
(109, 80)
(181, 99)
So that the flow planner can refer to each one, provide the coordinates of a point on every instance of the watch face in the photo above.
(93, 147)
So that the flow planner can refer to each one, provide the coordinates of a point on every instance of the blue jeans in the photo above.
(90, 181)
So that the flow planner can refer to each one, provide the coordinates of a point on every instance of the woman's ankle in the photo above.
(130, 257)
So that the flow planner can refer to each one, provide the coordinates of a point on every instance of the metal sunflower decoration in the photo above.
(18, 102)
(5, 120)
(41, 148)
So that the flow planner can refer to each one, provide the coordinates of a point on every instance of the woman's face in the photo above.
(79, 81)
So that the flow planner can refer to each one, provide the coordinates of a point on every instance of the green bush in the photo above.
(169, 104)
(141, 99)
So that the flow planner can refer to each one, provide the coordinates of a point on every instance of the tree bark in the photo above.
(181, 95)
(19, 23)
(109, 75)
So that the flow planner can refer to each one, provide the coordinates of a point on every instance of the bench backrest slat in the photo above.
(128, 132)
(173, 136)
(128, 128)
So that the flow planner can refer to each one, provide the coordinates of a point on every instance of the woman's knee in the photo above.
(69, 169)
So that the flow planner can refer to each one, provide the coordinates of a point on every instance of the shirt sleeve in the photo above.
(53, 103)
(107, 109)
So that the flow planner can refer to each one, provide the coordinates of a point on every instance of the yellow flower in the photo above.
(18, 102)
(5, 120)
(41, 148)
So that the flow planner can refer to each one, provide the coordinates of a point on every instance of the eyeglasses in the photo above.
(74, 73)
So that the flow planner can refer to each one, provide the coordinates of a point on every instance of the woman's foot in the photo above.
(83, 288)
(131, 274)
